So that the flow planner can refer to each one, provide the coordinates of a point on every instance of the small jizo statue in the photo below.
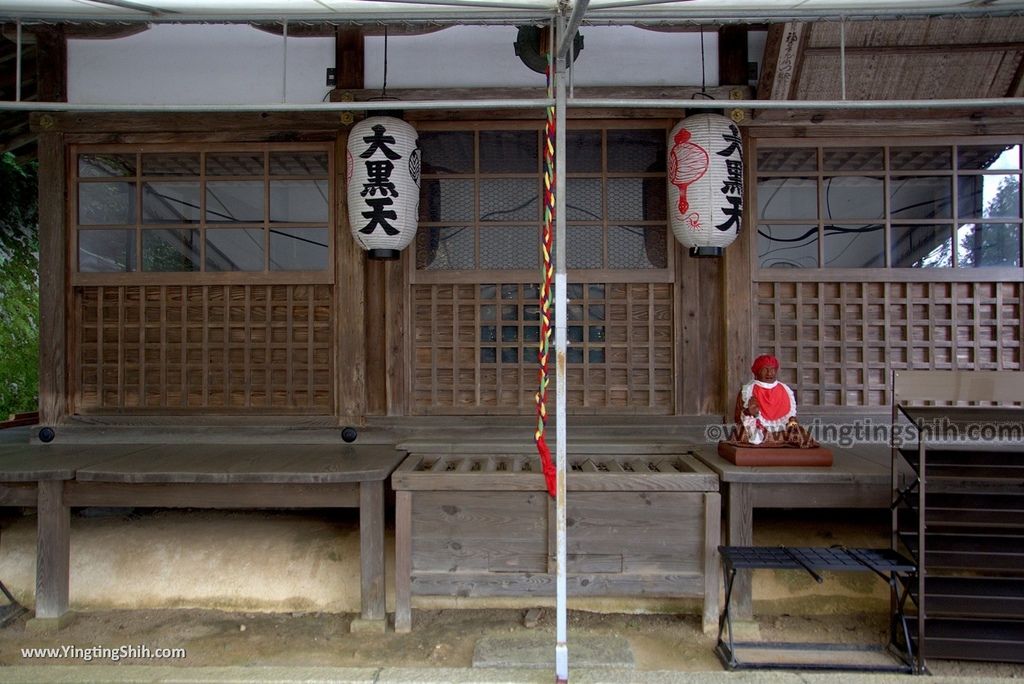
(766, 410)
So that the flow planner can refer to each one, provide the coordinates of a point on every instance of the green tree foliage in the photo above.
(19, 287)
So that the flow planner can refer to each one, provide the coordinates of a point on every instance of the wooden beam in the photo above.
(783, 57)
(624, 92)
(348, 57)
(1016, 87)
(52, 64)
(732, 55)
(53, 295)
(179, 122)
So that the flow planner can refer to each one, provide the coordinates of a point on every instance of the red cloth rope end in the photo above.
(550, 474)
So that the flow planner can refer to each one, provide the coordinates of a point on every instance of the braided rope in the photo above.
(546, 296)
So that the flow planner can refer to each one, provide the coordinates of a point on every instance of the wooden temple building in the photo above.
(199, 282)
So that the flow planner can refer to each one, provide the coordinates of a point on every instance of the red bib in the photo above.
(774, 402)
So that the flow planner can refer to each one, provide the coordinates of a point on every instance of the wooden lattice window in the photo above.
(839, 341)
(475, 347)
(228, 348)
(475, 299)
(206, 213)
(845, 204)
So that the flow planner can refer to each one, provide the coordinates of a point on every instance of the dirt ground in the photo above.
(440, 638)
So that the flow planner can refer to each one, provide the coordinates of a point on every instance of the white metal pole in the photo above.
(284, 74)
(17, 65)
(842, 59)
(561, 645)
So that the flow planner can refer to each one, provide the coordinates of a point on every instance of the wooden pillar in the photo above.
(53, 551)
(53, 400)
(352, 267)
(396, 359)
(737, 303)
(732, 55)
(403, 561)
(371, 550)
(52, 63)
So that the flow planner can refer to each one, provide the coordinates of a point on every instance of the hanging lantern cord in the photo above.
(546, 295)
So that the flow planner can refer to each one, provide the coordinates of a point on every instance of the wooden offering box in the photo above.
(638, 525)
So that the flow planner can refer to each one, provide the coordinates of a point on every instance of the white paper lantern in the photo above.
(383, 172)
(705, 183)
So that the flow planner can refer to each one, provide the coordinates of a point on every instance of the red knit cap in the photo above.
(764, 361)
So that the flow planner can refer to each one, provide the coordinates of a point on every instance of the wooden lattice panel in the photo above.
(475, 347)
(222, 347)
(839, 341)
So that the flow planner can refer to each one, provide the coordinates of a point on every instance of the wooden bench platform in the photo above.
(56, 477)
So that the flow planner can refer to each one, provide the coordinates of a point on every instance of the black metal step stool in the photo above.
(886, 563)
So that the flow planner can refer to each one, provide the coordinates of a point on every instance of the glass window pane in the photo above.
(106, 250)
(234, 164)
(922, 246)
(642, 150)
(993, 156)
(164, 202)
(852, 159)
(234, 249)
(106, 204)
(296, 201)
(988, 244)
(510, 247)
(855, 246)
(105, 164)
(446, 151)
(989, 196)
(170, 250)
(853, 197)
(446, 199)
(920, 158)
(234, 201)
(509, 199)
(787, 159)
(920, 197)
(583, 151)
(585, 247)
(637, 247)
(171, 164)
(448, 248)
(787, 198)
(298, 163)
(787, 246)
(509, 152)
(298, 249)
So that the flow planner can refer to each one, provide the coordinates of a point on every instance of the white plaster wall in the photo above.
(284, 561)
(479, 56)
(235, 64)
(198, 64)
